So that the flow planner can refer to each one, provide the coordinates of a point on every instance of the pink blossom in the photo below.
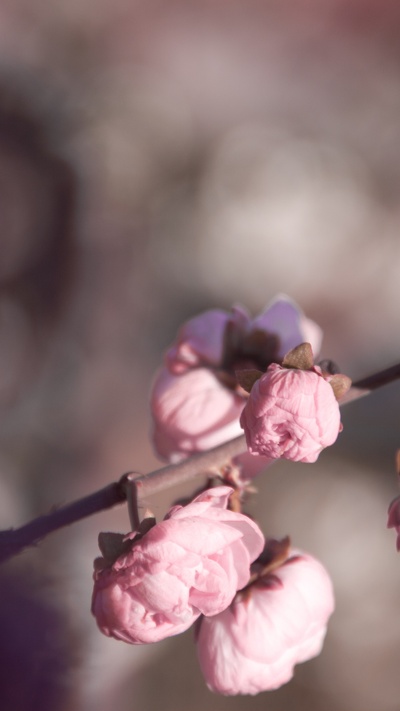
(394, 518)
(285, 319)
(274, 624)
(191, 563)
(195, 403)
(291, 414)
(201, 340)
(192, 412)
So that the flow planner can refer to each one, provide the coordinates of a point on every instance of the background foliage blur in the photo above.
(156, 159)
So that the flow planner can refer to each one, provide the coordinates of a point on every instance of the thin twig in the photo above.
(13, 541)
(365, 386)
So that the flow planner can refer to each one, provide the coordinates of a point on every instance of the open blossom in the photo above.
(191, 563)
(274, 624)
(195, 403)
(291, 414)
(201, 341)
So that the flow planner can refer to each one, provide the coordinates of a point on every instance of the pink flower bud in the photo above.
(191, 563)
(192, 412)
(291, 414)
(275, 623)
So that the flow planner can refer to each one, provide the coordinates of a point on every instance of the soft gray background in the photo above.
(157, 159)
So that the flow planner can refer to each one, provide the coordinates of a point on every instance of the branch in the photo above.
(366, 385)
(13, 541)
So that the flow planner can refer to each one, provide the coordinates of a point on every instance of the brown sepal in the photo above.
(340, 385)
(235, 503)
(113, 545)
(247, 377)
(275, 553)
(147, 522)
(301, 357)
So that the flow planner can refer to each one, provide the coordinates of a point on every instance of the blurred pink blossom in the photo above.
(285, 319)
(277, 622)
(291, 414)
(394, 518)
(191, 563)
(195, 401)
(192, 412)
(201, 340)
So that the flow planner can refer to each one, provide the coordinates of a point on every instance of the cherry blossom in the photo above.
(191, 563)
(291, 414)
(277, 622)
(196, 401)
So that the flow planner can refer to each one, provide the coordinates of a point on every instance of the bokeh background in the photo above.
(157, 159)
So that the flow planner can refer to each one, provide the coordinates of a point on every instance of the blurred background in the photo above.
(158, 159)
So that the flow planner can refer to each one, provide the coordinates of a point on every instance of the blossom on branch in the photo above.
(222, 339)
(291, 414)
(192, 412)
(196, 400)
(200, 342)
(278, 621)
(191, 563)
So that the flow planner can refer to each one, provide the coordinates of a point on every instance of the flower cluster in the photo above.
(259, 607)
(199, 399)
(196, 401)
(258, 614)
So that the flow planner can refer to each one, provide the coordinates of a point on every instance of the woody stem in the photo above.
(13, 541)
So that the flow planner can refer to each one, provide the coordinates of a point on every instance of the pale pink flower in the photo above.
(191, 563)
(291, 414)
(275, 623)
(195, 403)
(192, 412)
(394, 518)
(201, 340)
(285, 319)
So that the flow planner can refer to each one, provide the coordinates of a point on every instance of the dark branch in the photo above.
(13, 541)
(377, 380)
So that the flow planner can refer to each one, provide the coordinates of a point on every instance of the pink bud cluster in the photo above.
(256, 616)
(196, 565)
(196, 402)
